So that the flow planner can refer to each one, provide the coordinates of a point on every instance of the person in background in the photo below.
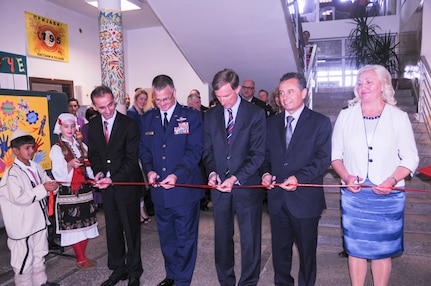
(127, 100)
(90, 113)
(373, 145)
(298, 151)
(72, 107)
(247, 93)
(140, 100)
(234, 136)
(23, 191)
(274, 102)
(214, 102)
(263, 95)
(170, 150)
(194, 100)
(136, 112)
(76, 214)
(113, 154)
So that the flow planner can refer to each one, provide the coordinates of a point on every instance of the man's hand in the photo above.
(213, 179)
(50, 186)
(227, 185)
(169, 181)
(290, 184)
(268, 181)
(152, 178)
(103, 183)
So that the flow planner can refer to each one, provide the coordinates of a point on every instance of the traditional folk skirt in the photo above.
(75, 211)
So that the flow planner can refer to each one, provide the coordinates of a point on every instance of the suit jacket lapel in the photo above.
(239, 121)
(221, 124)
(281, 130)
(298, 129)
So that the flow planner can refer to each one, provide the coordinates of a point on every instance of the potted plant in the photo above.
(367, 46)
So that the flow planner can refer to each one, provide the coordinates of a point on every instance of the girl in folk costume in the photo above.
(75, 212)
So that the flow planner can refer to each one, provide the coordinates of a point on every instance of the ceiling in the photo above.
(250, 36)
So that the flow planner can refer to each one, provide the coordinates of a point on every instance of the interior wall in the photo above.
(426, 22)
(150, 52)
(83, 67)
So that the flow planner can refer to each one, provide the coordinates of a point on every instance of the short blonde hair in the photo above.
(388, 92)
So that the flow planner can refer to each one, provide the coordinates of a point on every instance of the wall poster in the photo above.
(46, 38)
(29, 113)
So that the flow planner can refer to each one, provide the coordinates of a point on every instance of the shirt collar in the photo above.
(110, 120)
(169, 112)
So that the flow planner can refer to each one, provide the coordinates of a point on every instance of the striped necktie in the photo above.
(229, 127)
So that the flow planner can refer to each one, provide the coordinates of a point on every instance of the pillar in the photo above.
(111, 50)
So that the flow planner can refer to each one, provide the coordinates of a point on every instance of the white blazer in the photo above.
(393, 144)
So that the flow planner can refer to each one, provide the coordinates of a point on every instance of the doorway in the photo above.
(48, 84)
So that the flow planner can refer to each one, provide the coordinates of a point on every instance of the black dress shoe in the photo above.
(133, 281)
(167, 282)
(114, 279)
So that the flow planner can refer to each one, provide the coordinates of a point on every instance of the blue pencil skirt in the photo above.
(372, 224)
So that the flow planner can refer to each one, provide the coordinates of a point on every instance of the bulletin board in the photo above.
(34, 112)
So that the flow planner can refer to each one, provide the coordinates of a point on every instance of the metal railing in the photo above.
(425, 94)
(310, 76)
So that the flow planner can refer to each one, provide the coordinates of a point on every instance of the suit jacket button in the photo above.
(164, 146)
(228, 157)
(285, 164)
(163, 169)
(108, 161)
(163, 158)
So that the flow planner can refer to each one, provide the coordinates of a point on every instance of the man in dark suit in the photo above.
(113, 154)
(170, 150)
(234, 136)
(298, 152)
(247, 93)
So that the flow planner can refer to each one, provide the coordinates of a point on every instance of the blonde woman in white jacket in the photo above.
(373, 145)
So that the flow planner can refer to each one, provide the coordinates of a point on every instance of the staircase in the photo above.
(417, 226)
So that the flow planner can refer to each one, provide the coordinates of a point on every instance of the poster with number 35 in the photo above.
(47, 38)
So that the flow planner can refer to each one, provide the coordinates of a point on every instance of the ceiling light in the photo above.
(126, 5)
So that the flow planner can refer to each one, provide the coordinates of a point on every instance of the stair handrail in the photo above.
(310, 76)
(425, 94)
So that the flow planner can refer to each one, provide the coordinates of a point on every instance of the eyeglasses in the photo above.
(164, 100)
(248, 87)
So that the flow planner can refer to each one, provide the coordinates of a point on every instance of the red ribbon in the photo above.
(256, 186)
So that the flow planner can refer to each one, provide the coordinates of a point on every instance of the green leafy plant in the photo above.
(367, 46)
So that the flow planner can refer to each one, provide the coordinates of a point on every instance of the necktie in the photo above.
(106, 131)
(165, 121)
(289, 120)
(229, 126)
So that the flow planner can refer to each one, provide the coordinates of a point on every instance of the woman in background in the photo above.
(136, 112)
